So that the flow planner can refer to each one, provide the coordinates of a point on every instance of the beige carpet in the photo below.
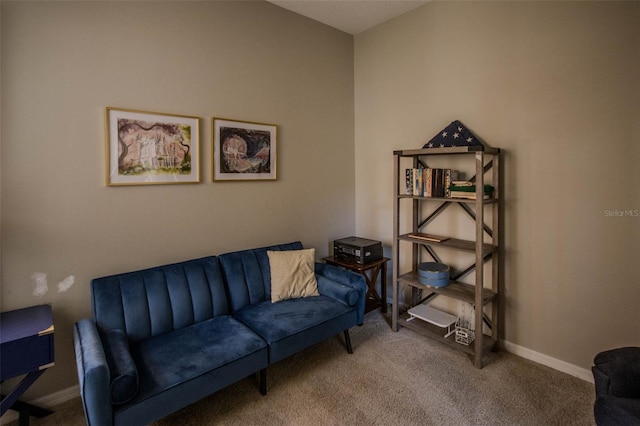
(391, 379)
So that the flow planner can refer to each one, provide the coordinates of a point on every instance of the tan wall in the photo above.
(64, 62)
(557, 86)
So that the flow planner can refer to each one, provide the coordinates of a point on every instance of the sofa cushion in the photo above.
(123, 371)
(174, 358)
(295, 324)
(248, 276)
(292, 274)
(176, 296)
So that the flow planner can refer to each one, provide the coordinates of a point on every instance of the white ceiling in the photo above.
(350, 16)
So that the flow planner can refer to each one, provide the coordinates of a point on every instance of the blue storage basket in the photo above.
(433, 274)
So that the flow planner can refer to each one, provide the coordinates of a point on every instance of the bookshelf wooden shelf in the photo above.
(453, 243)
(455, 289)
(435, 332)
(449, 200)
(446, 151)
(484, 245)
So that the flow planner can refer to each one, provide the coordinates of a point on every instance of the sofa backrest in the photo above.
(158, 300)
(248, 275)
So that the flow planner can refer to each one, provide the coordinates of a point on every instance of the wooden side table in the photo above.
(26, 347)
(373, 299)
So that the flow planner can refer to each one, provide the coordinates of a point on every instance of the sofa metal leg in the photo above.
(347, 340)
(263, 381)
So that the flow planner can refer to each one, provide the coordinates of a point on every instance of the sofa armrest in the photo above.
(340, 292)
(93, 373)
(601, 381)
(617, 372)
(341, 284)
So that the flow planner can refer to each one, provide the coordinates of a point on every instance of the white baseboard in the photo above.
(47, 401)
(540, 358)
(556, 364)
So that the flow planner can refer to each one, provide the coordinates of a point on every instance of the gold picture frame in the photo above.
(147, 148)
(243, 150)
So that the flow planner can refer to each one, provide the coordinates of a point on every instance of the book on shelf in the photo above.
(461, 183)
(428, 182)
(417, 181)
(428, 192)
(409, 182)
(467, 195)
(438, 183)
(449, 175)
(428, 237)
(465, 189)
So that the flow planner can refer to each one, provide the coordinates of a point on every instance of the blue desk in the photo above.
(26, 347)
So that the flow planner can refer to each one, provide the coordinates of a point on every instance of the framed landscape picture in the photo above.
(151, 148)
(243, 150)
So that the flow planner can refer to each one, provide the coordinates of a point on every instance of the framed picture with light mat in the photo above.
(243, 150)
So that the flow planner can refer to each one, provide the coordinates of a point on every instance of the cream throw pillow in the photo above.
(292, 274)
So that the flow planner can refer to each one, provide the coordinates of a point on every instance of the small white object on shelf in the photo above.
(433, 316)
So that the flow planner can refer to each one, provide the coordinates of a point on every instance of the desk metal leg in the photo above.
(29, 410)
(25, 410)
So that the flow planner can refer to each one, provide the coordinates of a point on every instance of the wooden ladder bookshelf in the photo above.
(485, 299)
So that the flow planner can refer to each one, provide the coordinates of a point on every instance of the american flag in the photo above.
(455, 134)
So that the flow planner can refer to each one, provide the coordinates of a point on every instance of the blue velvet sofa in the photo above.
(165, 337)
